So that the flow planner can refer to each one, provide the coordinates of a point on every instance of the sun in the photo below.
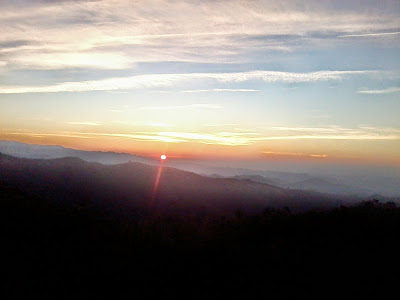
(163, 157)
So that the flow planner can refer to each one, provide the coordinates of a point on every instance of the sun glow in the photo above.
(163, 157)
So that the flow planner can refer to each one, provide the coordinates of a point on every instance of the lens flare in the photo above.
(157, 181)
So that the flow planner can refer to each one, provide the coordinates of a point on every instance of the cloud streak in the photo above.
(379, 92)
(167, 80)
(221, 138)
(235, 138)
(175, 107)
(333, 133)
(378, 34)
(84, 123)
(221, 90)
(332, 137)
(294, 154)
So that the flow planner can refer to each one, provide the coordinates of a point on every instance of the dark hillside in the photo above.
(52, 252)
(126, 187)
(72, 230)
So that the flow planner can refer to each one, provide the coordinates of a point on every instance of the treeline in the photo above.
(80, 252)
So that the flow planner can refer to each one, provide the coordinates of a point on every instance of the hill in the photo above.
(365, 183)
(75, 252)
(126, 187)
(31, 151)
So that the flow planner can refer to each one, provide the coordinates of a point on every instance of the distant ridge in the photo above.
(130, 186)
(32, 151)
(360, 186)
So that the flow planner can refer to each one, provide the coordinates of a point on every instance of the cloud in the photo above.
(333, 133)
(378, 92)
(331, 129)
(221, 138)
(95, 60)
(370, 34)
(91, 135)
(139, 136)
(84, 123)
(56, 134)
(63, 34)
(235, 138)
(332, 137)
(167, 80)
(287, 77)
(150, 124)
(226, 139)
(174, 107)
(155, 124)
(294, 154)
(221, 90)
(14, 44)
(221, 125)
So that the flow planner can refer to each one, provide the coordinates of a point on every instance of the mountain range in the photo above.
(343, 185)
(130, 188)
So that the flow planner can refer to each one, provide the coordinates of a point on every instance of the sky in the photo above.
(242, 80)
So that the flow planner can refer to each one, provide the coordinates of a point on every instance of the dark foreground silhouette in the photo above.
(73, 252)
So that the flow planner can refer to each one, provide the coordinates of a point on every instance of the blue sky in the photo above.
(254, 79)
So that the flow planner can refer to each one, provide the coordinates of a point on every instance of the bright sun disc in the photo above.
(163, 157)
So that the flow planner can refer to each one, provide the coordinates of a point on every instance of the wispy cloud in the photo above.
(330, 129)
(117, 92)
(333, 133)
(94, 60)
(222, 125)
(168, 137)
(167, 80)
(383, 91)
(221, 138)
(289, 77)
(139, 136)
(175, 107)
(155, 124)
(221, 90)
(235, 138)
(55, 134)
(84, 123)
(150, 124)
(332, 137)
(294, 154)
(370, 34)
(122, 33)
